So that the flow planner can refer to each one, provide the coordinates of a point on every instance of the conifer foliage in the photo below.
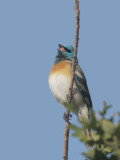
(105, 135)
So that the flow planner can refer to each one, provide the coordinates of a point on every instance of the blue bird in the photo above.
(59, 83)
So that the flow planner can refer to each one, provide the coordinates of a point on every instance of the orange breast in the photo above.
(62, 67)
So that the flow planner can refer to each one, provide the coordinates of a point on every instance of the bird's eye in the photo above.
(67, 50)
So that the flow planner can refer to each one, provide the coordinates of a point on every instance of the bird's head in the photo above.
(65, 52)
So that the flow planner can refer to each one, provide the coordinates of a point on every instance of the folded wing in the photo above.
(81, 83)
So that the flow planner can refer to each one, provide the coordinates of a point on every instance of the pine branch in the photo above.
(66, 133)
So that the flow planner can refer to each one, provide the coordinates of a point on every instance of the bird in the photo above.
(59, 83)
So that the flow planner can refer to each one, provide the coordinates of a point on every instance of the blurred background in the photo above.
(31, 121)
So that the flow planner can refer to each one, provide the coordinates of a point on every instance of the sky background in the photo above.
(31, 121)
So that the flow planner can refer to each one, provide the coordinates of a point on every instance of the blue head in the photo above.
(64, 53)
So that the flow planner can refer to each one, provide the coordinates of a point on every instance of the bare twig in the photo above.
(66, 133)
(75, 48)
(66, 138)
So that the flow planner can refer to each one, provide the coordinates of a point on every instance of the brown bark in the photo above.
(66, 133)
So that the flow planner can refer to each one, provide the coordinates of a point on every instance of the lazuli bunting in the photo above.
(59, 83)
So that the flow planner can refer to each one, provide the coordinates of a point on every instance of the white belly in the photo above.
(59, 85)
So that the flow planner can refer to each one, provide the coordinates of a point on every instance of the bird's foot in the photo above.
(70, 99)
(67, 117)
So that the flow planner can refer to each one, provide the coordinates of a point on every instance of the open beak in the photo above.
(61, 48)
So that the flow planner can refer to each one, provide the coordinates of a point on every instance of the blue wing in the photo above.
(81, 83)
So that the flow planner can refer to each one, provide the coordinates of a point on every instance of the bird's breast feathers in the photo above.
(59, 80)
(62, 68)
(59, 83)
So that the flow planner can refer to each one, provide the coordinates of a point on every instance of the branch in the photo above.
(66, 138)
(70, 97)
(75, 49)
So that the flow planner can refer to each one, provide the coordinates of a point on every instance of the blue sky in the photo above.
(31, 121)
